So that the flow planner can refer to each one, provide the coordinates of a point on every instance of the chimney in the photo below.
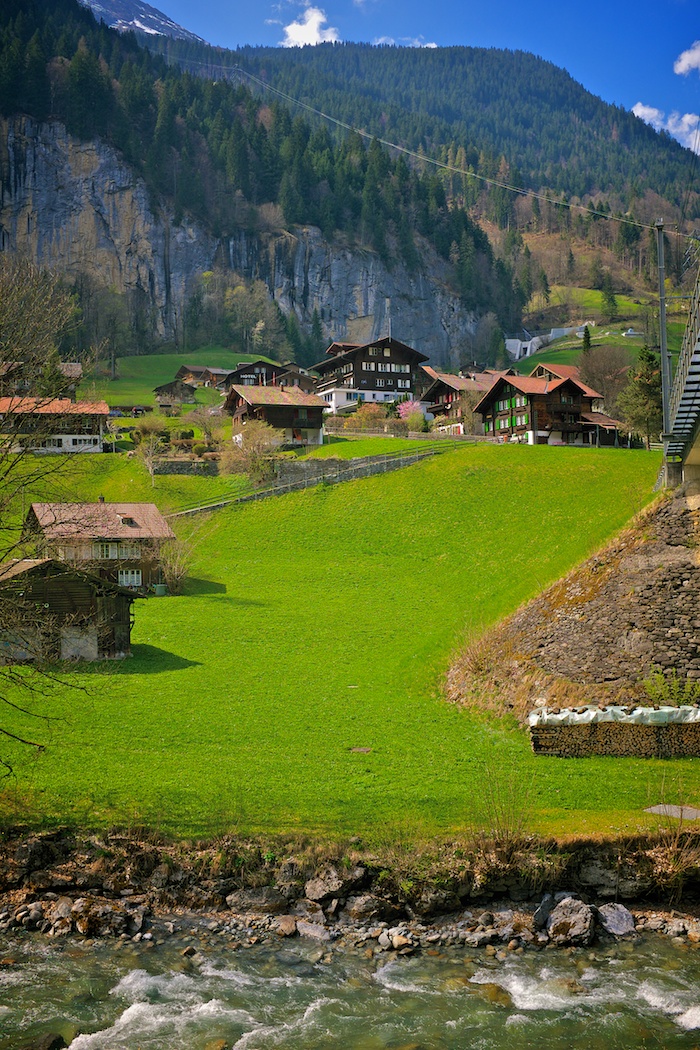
(101, 499)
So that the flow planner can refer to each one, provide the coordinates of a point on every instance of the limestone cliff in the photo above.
(77, 207)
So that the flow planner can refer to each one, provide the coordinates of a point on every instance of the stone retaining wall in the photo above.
(205, 468)
(617, 739)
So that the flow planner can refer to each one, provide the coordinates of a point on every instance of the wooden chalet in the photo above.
(546, 409)
(193, 375)
(382, 371)
(119, 542)
(297, 414)
(170, 397)
(445, 400)
(53, 611)
(53, 424)
(268, 373)
(16, 380)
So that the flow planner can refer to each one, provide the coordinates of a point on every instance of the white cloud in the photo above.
(649, 114)
(308, 29)
(404, 41)
(683, 127)
(688, 60)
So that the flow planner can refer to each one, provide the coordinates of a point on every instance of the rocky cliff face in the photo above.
(77, 207)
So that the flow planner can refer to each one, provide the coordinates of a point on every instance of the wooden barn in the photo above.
(51, 611)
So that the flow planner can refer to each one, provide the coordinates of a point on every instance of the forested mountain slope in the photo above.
(487, 103)
(212, 153)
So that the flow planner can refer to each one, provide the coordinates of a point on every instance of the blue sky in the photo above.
(643, 54)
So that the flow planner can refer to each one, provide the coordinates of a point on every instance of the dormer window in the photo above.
(125, 520)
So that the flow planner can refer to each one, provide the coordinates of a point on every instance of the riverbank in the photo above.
(476, 892)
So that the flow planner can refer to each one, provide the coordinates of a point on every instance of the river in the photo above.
(298, 996)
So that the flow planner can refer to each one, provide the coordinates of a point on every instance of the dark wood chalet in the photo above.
(268, 373)
(546, 410)
(119, 542)
(17, 379)
(297, 414)
(384, 370)
(172, 396)
(446, 397)
(52, 611)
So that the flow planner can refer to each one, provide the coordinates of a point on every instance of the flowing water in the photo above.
(299, 997)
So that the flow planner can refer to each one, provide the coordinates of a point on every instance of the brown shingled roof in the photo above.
(276, 395)
(100, 521)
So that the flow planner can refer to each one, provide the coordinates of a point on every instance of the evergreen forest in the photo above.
(214, 150)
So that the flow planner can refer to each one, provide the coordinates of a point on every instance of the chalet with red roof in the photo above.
(447, 398)
(119, 542)
(382, 371)
(297, 414)
(552, 406)
(53, 424)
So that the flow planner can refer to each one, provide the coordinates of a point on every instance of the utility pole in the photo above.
(665, 358)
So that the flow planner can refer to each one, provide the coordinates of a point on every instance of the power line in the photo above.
(423, 159)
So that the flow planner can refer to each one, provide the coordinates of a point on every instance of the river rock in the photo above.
(330, 883)
(267, 900)
(571, 922)
(312, 929)
(286, 925)
(435, 902)
(542, 913)
(50, 1041)
(616, 919)
(364, 907)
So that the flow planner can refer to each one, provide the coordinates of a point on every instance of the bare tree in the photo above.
(35, 310)
(253, 451)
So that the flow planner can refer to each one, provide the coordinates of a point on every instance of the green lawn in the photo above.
(355, 447)
(322, 621)
(121, 479)
(137, 376)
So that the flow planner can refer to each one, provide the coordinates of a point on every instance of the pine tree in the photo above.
(640, 401)
(586, 339)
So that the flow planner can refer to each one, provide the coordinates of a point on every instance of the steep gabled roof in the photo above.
(51, 406)
(459, 384)
(287, 396)
(340, 351)
(99, 521)
(14, 570)
(534, 385)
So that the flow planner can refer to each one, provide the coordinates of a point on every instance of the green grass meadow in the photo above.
(323, 621)
(137, 376)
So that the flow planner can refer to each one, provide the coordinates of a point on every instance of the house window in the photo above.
(129, 550)
(369, 366)
(387, 352)
(105, 551)
(373, 351)
(384, 367)
(129, 577)
(380, 382)
(567, 399)
(403, 384)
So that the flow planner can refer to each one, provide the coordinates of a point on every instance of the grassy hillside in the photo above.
(137, 376)
(322, 622)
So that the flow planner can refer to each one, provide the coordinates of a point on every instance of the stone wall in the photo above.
(617, 739)
(303, 472)
(204, 468)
